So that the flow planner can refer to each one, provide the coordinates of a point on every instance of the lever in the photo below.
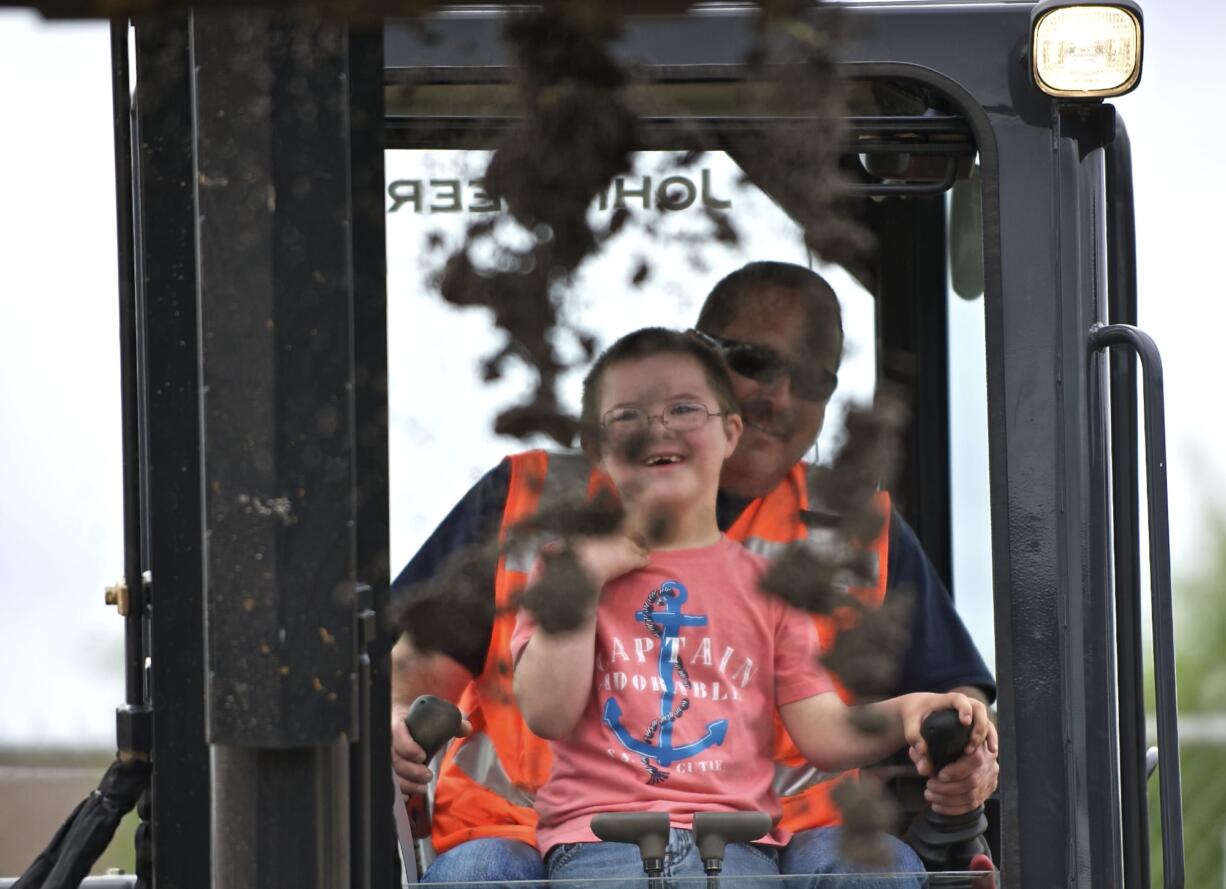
(947, 842)
(713, 831)
(647, 830)
(432, 722)
(945, 736)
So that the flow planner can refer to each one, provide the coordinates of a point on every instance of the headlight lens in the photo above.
(1086, 51)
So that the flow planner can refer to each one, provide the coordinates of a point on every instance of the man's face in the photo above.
(782, 415)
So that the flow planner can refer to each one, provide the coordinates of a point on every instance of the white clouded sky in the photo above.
(60, 540)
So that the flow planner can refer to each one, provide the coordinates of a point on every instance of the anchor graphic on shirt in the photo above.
(670, 621)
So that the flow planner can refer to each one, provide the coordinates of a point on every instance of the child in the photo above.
(662, 698)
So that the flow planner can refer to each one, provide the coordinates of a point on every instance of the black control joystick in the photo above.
(947, 842)
(713, 831)
(647, 830)
(432, 722)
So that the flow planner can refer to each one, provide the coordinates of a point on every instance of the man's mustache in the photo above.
(762, 414)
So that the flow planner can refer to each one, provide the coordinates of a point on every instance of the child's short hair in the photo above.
(643, 343)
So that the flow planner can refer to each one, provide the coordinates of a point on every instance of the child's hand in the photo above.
(972, 712)
(604, 558)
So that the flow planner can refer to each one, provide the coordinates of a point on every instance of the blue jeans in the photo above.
(811, 852)
(621, 861)
(817, 851)
(486, 860)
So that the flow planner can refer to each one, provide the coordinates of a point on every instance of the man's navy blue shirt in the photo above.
(941, 655)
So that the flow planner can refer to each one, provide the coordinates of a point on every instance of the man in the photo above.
(780, 331)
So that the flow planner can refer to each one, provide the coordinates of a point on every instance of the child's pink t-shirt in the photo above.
(689, 635)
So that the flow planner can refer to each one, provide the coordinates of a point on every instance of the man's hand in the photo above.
(408, 759)
(413, 674)
(968, 781)
(963, 784)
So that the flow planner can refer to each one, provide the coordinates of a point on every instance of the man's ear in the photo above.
(733, 427)
(589, 441)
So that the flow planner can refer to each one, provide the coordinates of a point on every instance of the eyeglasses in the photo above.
(681, 416)
(764, 365)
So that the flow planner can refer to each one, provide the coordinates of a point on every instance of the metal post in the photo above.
(275, 280)
(912, 355)
(375, 850)
(1125, 504)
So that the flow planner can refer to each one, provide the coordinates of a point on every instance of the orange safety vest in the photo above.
(487, 782)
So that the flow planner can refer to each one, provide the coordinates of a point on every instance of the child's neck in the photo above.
(666, 529)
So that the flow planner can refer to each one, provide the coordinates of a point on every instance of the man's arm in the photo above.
(415, 674)
(941, 657)
(973, 691)
(446, 671)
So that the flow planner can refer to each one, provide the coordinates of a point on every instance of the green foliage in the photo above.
(1203, 776)
(1200, 622)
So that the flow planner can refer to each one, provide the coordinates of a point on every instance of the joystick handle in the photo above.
(432, 722)
(945, 736)
(947, 842)
(713, 831)
(647, 830)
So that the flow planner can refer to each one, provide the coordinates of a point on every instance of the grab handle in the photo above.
(1103, 337)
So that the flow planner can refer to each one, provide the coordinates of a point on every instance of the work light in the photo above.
(1085, 50)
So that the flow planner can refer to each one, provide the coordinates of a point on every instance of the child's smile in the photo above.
(664, 440)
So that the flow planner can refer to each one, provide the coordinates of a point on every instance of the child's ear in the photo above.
(733, 427)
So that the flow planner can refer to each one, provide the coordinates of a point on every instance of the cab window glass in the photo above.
(970, 507)
(441, 411)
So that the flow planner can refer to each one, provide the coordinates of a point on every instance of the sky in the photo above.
(60, 499)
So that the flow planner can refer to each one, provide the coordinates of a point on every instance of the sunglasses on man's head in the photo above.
(763, 364)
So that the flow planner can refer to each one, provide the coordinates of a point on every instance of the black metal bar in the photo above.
(410, 131)
(1087, 606)
(1104, 337)
(122, 881)
(166, 264)
(134, 653)
(374, 831)
(905, 146)
(270, 128)
(1125, 499)
(271, 132)
(912, 333)
(359, 753)
(945, 124)
(133, 721)
(908, 189)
